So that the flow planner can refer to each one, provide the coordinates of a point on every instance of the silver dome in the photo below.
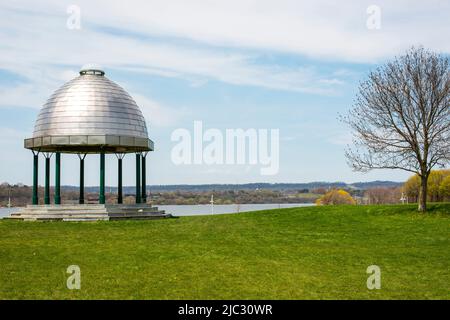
(90, 114)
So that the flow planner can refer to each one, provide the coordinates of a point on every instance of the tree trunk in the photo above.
(423, 193)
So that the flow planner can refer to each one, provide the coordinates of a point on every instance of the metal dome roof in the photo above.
(90, 114)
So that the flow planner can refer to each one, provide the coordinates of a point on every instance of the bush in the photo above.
(437, 190)
(335, 197)
(444, 188)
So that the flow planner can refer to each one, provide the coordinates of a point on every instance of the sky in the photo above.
(293, 66)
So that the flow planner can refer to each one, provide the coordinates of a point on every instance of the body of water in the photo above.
(4, 212)
(203, 209)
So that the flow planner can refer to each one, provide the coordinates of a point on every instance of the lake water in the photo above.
(203, 209)
(4, 212)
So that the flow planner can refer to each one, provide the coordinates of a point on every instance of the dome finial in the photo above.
(93, 69)
(92, 72)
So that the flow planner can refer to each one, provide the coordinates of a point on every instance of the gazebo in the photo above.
(89, 115)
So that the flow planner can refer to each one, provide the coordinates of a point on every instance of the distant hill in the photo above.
(376, 184)
(250, 186)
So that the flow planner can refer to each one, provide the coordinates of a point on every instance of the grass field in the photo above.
(296, 253)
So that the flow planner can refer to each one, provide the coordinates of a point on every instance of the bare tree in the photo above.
(401, 117)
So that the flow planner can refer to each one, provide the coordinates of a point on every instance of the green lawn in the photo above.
(299, 253)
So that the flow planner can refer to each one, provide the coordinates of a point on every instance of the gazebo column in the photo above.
(47, 178)
(35, 198)
(57, 178)
(81, 199)
(144, 180)
(138, 177)
(101, 198)
(119, 177)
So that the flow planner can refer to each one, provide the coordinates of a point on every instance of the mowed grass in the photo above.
(296, 253)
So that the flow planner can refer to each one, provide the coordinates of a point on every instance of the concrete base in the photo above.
(88, 212)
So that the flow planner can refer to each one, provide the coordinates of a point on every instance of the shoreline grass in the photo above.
(292, 253)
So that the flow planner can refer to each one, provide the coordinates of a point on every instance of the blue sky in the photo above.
(287, 65)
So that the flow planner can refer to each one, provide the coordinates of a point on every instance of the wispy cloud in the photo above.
(341, 139)
(38, 46)
(322, 28)
(156, 114)
(34, 38)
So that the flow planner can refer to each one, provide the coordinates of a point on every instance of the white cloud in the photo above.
(22, 95)
(322, 28)
(205, 41)
(156, 114)
(9, 134)
(38, 46)
(341, 139)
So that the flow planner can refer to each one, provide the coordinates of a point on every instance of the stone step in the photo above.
(93, 216)
(140, 217)
(86, 219)
(133, 211)
(140, 214)
(66, 206)
(69, 213)
(60, 219)
(64, 210)
(88, 212)
(134, 205)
